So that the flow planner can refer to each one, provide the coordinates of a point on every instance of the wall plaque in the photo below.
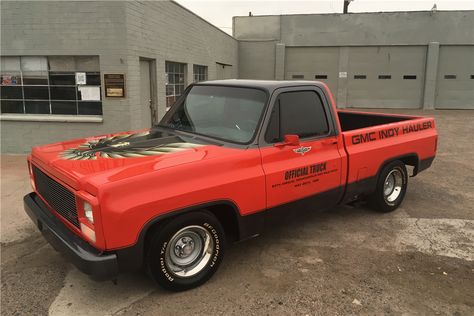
(114, 85)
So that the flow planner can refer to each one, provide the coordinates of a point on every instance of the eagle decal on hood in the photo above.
(130, 145)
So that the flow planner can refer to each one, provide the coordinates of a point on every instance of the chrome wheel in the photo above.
(393, 186)
(189, 251)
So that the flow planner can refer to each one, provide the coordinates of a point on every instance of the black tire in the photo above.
(379, 200)
(159, 261)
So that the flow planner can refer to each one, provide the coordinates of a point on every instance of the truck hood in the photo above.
(82, 162)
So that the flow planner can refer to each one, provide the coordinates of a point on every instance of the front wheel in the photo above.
(391, 187)
(185, 251)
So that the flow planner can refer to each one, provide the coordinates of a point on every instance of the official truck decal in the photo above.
(305, 175)
(304, 171)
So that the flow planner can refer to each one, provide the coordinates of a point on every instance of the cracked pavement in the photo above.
(416, 260)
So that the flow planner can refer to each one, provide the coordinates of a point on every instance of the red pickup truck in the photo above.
(225, 159)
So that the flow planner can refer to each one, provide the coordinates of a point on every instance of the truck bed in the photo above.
(351, 120)
(372, 139)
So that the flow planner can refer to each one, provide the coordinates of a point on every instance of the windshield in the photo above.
(227, 113)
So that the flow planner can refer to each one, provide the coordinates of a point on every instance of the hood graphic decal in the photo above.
(127, 146)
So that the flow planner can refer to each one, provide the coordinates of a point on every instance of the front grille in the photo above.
(58, 197)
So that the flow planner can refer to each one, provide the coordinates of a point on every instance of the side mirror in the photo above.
(289, 140)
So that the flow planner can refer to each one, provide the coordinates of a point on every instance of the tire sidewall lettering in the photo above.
(162, 262)
(215, 256)
(214, 234)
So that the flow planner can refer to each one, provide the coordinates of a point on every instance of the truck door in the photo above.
(306, 167)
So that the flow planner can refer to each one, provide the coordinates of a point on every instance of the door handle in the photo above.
(329, 141)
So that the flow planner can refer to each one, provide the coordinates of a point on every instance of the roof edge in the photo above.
(354, 13)
(202, 19)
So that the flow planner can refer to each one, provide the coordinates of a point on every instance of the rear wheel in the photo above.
(391, 187)
(185, 251)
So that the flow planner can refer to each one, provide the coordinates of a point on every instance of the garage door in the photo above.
(455, 84)
(386, 76)
(313, 63)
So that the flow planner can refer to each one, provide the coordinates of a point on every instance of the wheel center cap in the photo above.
(184, 247)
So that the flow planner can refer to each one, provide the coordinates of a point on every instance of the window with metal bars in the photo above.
(175, 81)
(48, 85)
(200, 73)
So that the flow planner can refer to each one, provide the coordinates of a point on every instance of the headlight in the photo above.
(88, 212)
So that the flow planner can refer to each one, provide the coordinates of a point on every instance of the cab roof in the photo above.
(269, 85)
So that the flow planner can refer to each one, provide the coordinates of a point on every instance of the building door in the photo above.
(455, 84)
(147, 92)
(223, 71)
(386, 76)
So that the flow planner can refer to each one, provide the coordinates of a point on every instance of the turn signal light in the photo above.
(88, 232)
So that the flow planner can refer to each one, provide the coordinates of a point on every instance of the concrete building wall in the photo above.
(120, 33)
(257, 27)
(388, 28)
(64, 28)
(355, 29)
(164, 31)
(257, 59)
(403, 43)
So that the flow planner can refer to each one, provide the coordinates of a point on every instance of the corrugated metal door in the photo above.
(313, 63)
(455, 84)
(386, 76)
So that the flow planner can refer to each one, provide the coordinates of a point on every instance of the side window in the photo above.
(300, 112)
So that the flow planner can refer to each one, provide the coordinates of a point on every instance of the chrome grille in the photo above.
(58, 197)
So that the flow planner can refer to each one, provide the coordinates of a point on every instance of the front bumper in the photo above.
(86, 258)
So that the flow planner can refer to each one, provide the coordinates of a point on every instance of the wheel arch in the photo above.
(236, 226)
(410, 159)
(368, 185)
(225, 211)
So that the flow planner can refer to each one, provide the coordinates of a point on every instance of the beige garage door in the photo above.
(455, 84)
(386, 76)
(313, 63)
